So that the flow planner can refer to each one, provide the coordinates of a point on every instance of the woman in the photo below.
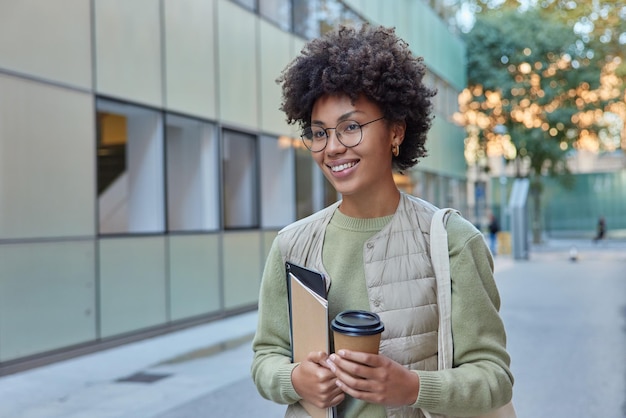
(364, 111)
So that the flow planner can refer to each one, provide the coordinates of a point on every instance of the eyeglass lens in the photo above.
(348, 133)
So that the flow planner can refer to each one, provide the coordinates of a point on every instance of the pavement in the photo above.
(159, 377)
(204, 371)
(566, 328)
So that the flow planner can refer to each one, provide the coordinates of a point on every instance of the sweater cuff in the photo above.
(284, 379)
(429, 396)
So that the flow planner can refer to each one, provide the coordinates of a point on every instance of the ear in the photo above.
(398, 130)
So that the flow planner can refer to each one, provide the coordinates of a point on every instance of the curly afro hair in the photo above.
(370, 61)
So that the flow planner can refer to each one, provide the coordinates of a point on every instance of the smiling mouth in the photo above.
(341, 167)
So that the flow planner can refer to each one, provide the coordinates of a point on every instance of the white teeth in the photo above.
(342, 167)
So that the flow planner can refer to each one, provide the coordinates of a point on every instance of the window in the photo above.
(239, 165)
(248, 4)
(192, 175)
(130, 169)
(278, 188)
(305, 169)
(313, 191)
(304, 19)
(349, 17)
(330, 14)
(277, 11)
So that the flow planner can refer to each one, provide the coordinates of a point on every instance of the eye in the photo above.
(318, 133)
(350, 126)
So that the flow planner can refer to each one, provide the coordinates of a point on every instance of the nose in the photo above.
(333, 145)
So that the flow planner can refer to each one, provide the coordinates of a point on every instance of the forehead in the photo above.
(331, 108)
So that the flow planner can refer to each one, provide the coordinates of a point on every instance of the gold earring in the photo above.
(395, 150)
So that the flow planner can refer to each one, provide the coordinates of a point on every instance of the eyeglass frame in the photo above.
(361, 125)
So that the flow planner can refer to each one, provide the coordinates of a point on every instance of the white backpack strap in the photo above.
(441, 264)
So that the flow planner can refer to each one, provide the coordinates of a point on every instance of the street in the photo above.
(566, 327)
(566, 324)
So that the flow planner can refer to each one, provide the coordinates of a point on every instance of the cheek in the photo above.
(381, 150)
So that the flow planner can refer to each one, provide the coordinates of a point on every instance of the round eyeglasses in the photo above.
(349, 133)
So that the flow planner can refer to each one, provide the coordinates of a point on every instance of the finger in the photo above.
(354, 382)
(343, 365)
(331, 394)
(335, 391)
(338, 398)
(329, 401)
(367, 396)
(369, 359)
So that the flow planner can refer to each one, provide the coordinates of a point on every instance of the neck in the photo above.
(383, 204)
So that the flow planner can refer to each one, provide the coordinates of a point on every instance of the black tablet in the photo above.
(312, 279)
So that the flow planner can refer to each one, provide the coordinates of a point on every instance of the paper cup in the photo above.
(357, 330)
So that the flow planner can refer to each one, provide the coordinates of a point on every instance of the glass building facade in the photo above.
(145, 167)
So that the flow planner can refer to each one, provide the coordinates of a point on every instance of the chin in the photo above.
(344, 191)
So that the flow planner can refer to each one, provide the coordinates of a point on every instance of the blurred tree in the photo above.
(599, 23)
(535, 90)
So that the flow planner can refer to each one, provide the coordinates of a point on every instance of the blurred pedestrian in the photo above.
(360, 99)
(494, 228)
(600, 229)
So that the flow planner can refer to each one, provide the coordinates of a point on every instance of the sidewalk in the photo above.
(565, 328)
(143, 379)
(583, 247)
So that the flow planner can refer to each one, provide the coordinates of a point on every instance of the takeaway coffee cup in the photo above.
(357, 330)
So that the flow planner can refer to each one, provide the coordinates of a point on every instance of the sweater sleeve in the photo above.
(271, 365)
(480, 379)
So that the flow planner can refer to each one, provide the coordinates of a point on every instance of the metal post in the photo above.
(503, 207)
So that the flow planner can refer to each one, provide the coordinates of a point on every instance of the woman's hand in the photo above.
(374, 378)
(315, 382)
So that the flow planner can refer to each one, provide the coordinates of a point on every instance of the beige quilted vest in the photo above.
(400, 282)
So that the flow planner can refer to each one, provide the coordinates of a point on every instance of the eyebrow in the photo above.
(341, 118)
